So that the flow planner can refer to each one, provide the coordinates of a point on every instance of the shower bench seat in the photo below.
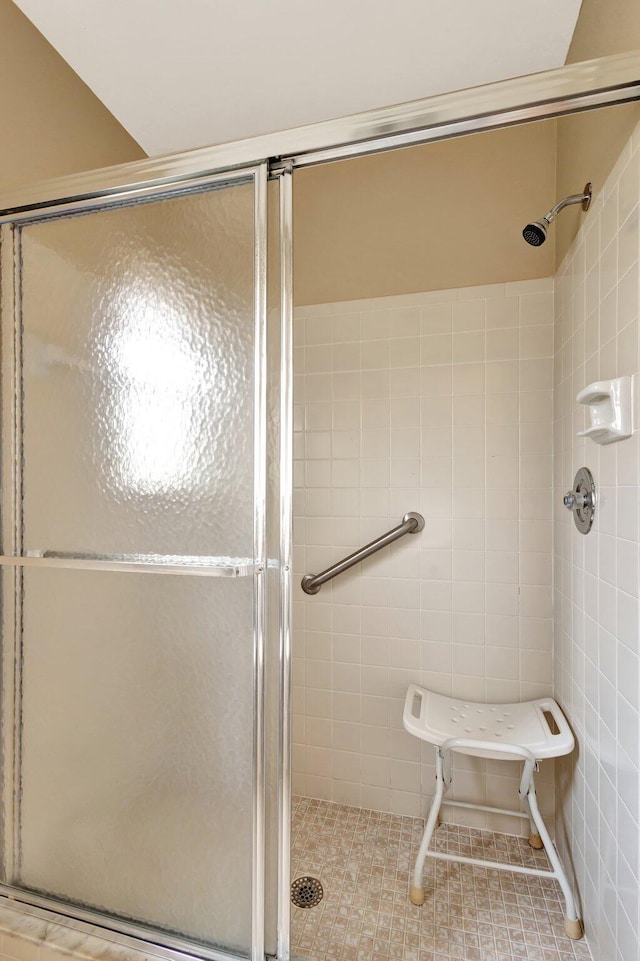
(530, 731)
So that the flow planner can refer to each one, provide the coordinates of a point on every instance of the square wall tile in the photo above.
(596, 625)
(438, 404)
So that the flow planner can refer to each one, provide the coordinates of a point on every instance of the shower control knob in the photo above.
(582, 500)
(577, 500)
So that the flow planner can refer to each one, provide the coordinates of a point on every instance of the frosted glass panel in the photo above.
(128, 698)
(136, 747)
(138, 339)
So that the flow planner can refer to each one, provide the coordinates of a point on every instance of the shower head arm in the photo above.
(584, 198)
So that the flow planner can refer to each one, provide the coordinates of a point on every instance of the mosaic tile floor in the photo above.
(364, 860)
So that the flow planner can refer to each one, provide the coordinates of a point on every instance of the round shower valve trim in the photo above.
(582, 500)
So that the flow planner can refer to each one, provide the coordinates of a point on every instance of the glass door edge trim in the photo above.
(143, 564)
(104, 927)
(567, 89)
(283, 943)
(258, 906)
(157, 189)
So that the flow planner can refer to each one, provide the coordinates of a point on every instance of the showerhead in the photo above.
(536, 233)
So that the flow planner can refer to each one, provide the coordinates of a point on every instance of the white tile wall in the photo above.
(596, 577)
(439, 403)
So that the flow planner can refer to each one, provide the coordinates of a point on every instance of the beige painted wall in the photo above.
(450, 214)
(590, 143)
(425, 218)
(51, 123)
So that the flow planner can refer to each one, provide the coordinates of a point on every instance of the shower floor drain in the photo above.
(306, 892)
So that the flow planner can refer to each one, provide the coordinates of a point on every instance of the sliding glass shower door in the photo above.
(134, 559)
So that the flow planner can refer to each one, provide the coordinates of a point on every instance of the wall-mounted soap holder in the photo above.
(609, 403)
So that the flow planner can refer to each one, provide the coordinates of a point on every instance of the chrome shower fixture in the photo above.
(536, 232)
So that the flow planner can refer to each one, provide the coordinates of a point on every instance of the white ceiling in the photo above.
(188, 73)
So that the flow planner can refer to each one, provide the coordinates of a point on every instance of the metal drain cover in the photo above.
(306, 892)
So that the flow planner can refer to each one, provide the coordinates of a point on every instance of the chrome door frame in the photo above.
(553, 93)
(539, 96)
(113, 928)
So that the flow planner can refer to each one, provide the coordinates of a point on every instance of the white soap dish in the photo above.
(609, 403)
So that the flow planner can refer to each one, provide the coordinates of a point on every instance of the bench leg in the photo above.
(535, 841)
(572, 923)
(417, 888)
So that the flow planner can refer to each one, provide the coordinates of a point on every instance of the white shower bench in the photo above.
(494, 731)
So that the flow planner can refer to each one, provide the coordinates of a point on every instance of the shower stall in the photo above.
(146, 490)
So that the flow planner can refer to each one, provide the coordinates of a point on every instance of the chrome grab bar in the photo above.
(412, 523)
